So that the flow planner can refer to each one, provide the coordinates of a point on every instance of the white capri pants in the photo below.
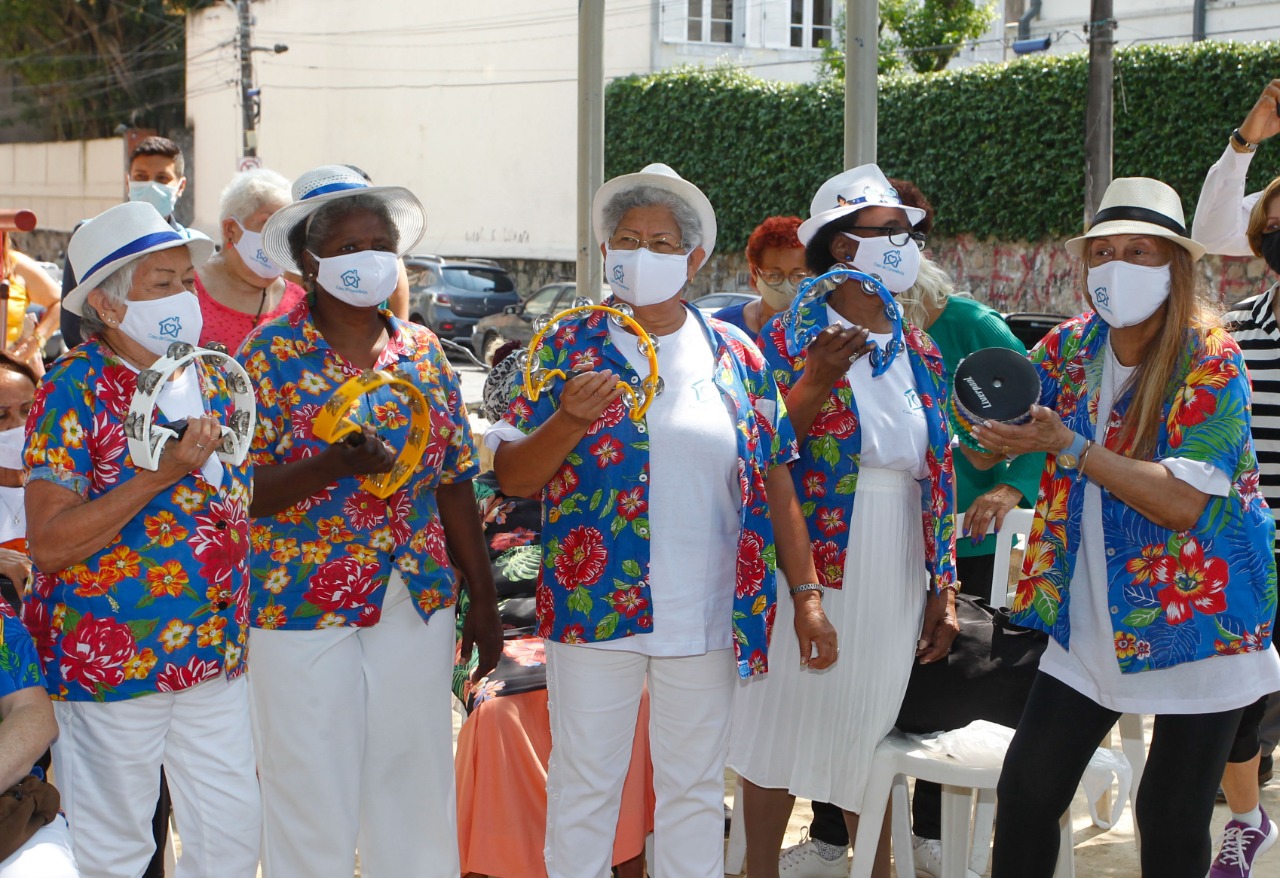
(594, 695)
(47, 854)
(355, 746)
(106, 766)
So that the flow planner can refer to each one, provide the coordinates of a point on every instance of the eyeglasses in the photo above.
(773, 278)
(661, 246)
(897, 235)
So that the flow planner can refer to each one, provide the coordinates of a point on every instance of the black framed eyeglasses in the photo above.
(897, 235)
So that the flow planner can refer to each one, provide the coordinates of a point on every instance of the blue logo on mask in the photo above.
(351, 278)
(170, 327)
(893, 258)
(1101, 298)
(618, 273)
(261, 257)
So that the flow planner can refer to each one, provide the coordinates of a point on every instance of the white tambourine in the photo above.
(147, 439)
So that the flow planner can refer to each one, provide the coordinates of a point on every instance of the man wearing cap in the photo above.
(140, 604)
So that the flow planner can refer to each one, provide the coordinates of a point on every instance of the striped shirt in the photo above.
(1253, 325)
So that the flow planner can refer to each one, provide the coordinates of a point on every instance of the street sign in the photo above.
(249, 162)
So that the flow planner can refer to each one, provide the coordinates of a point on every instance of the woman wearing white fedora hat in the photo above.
(875, 474)
(1150, 562)
(140, 607)
(353, 636)
(659, 547)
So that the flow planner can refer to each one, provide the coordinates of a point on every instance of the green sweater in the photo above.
(963, 327)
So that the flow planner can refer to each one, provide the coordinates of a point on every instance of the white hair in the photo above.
(250, 191)
(931, 290)
(653, 196)
(116, 286)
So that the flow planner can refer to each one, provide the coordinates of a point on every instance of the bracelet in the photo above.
(953, 587)
(806, 586)
(1088, 446)
(1242, 145)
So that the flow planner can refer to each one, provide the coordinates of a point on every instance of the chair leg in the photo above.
(984, 818)
(1066, 866)
(901, 804)
(735, 854)
(957, 808)
(1133, 743)
(871, 820)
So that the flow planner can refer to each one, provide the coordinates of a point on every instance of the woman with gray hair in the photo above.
(659, 551)
(140, 607)
(241, 287)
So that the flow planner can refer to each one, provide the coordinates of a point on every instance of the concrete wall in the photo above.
(63, 183)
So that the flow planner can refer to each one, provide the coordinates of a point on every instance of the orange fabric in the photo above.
(501, 771)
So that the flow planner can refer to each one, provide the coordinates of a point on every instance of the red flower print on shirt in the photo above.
(341, 584)
(815, 484)
(562, 484)
(610, 417)
(606, 451)
(95, 652)
(834, 419)
(751, 565)
(631, 504)
(582, 557)
(175, 679)
(831, 521)
(364, 511)
(628, 601)
(829, 560)
(1190, 584)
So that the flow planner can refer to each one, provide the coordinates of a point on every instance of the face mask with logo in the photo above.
(251, 254)
(158, 195)
(1270, 247)
(11, 442)
(1125, 294)
(363, 280)
(642, 277)
(896, 267)
(157, 323)
(776, 296)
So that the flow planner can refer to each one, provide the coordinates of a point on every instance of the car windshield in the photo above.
(420, 276)
(479, 280)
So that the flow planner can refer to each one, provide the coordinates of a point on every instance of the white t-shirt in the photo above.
(695, 499)
(895, 434)
(1090, 667)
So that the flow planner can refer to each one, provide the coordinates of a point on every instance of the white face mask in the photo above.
(779, 296)
(251, 254)
(896, 267)
(642, 277)
(11, 442)
(157, 323)
(158, 195)
(364, 280)
(1126, 294)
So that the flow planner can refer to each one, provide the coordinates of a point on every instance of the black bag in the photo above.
(24, 808)
(987, 676)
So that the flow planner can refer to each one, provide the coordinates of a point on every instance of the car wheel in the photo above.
(492, 341)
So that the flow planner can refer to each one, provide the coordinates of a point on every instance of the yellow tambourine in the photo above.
(537, 379)
(333, 425)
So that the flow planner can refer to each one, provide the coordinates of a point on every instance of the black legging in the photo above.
(1059, 731)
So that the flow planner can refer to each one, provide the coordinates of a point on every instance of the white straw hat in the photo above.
(662, 177)
(118, 234)
(321, 185)
(1139, 206)
(850, 191)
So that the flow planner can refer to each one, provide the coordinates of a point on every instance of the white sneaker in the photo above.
(926, 856)
(803, 861)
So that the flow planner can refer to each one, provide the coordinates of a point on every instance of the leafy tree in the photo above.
(922, 34)
(78, 68)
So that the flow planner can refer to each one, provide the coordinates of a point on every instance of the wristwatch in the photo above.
(1069, 457)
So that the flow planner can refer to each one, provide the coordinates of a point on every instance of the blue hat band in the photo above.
(136, 246)
(333, 187)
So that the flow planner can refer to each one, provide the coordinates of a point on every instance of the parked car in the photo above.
(709, 305)
(1031, 326)
(515, 323)
(448, 296)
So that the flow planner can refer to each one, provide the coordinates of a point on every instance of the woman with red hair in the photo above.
(776, 259)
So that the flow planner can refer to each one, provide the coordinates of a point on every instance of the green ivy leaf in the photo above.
(306, 610)
(1142, 617)
(631, 568)
(142, 628)
(606, 626)
(580, 601)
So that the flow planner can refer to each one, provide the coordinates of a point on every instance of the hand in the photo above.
(1044, 432)
(361, 454)
(482, 628)
(193, 450)
(587, 395)
(1263, 121)
(814, 632)
(832, 353)
(940, 627)
(988, 508)
(29, 348)
(17, 567)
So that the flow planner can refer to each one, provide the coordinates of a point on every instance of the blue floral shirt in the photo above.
(595, 581)
(826, 475)
(19, 663)
(1174, 596)
(326, 560)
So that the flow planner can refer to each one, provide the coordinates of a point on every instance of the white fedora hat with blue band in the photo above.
(117, 235)
(848, 192)
(326, 183)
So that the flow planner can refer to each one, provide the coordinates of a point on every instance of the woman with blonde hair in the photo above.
(1150, 560)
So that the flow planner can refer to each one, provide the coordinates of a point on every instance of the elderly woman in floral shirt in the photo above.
(659, 550)
(140, 608)
(1150, 560)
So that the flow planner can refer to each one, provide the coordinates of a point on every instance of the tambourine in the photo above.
(537, 379)
(333, 425)
(816, 289)
(147, 439)
(992, 384)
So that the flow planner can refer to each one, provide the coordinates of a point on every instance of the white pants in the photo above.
(106, 765)
(47, 854)
(593, 697)
(355, 743)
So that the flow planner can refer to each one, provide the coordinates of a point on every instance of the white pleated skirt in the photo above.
(814, 732)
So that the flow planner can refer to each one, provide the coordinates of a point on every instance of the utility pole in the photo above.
(590, 271)
(1098, 122)
(861, 63)
(248, 95)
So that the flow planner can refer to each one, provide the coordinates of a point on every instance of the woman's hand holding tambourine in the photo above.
(1044, 432)
(587, 395)
(199, 441)
(361, 454)
(831, 354)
